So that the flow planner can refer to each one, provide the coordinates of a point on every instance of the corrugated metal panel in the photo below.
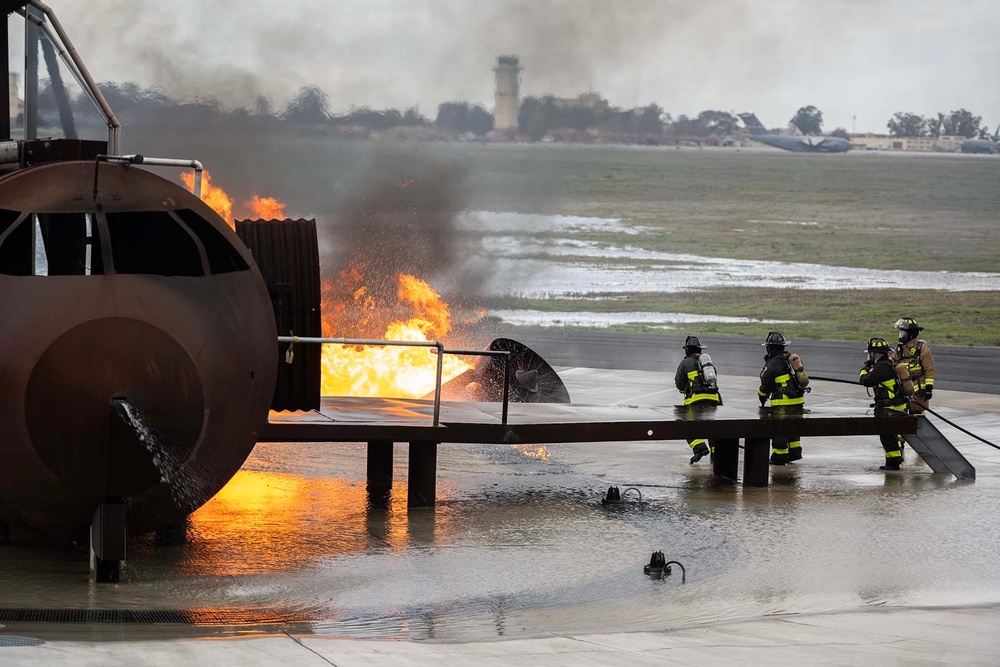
(287, 253)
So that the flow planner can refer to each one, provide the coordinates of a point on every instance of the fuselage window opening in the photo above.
(16, 244)
(222, 256)
(152, 243)
(49, 244)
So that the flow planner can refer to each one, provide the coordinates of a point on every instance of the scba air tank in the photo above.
(708, 370)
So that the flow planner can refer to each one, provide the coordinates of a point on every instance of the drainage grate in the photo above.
(14, 640)
(197, 617)
(91, 616)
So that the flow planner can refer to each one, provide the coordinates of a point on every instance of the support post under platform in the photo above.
(107, 541)
(379, 479)
(727, 458)
(756, 461)
(422, 482)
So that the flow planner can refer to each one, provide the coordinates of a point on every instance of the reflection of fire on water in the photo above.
(311, 518)
(418, 315)
(533, 451)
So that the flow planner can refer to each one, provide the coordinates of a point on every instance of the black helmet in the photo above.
(776, 339)
(908, 324)
(692, 341)
(877, 344)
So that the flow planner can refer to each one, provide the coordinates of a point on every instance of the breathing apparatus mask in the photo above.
(908, 329)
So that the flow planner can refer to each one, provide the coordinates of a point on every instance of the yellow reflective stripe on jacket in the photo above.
(693, 375)
(701, 397)
(781, 384)
(788, 401)
(890, 386)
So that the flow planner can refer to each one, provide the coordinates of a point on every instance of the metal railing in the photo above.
(440, 350)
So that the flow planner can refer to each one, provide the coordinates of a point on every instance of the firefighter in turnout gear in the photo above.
(696, 379)
(879, 373)
(779, 384)
(916, 355)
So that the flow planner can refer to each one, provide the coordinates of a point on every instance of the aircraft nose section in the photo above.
(114, 407)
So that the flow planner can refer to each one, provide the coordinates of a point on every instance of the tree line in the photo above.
(961, 123)
(538, 117)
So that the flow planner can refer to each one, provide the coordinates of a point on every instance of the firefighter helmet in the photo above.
(775, 338)
(880, 345)
(908, 324)
(692, 341)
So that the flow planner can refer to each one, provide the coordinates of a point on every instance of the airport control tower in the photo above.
(508, 71)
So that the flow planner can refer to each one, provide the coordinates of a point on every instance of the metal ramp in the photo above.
(938, 452)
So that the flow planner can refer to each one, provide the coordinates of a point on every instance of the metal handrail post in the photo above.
(506, 384)
(437, 384)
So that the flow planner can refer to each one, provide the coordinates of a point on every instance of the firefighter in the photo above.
(778, 383)
(879, 373)
(916, 355)
(696, 379)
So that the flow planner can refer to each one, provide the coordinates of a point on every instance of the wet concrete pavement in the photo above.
(836, 561)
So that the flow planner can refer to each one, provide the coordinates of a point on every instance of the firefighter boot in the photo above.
(779, 459)
(890, 464)
(794, 454)
(699, 452)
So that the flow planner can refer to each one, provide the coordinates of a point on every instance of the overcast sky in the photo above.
(850, 58)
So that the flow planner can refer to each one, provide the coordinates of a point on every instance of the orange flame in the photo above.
(212, 195)
(261, 208)
(266, 208)
(407, 372)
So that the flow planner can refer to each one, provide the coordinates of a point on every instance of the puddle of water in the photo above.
(519, 544)
(604, 319)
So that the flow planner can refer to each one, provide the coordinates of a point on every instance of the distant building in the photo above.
(589, 100)
(883, 142)
(508, 74)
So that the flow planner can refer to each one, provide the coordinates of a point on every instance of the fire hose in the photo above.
(921, 406)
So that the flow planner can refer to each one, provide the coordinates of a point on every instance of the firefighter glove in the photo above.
(927, 393)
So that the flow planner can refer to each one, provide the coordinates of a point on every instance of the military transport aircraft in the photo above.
(987, 145)
(791, 142)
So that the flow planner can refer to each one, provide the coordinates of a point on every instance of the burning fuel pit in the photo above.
(530, 378)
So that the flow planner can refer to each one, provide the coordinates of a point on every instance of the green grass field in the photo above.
(883, 211)
(871, 210)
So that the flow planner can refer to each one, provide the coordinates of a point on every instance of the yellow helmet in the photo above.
(878, 345)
